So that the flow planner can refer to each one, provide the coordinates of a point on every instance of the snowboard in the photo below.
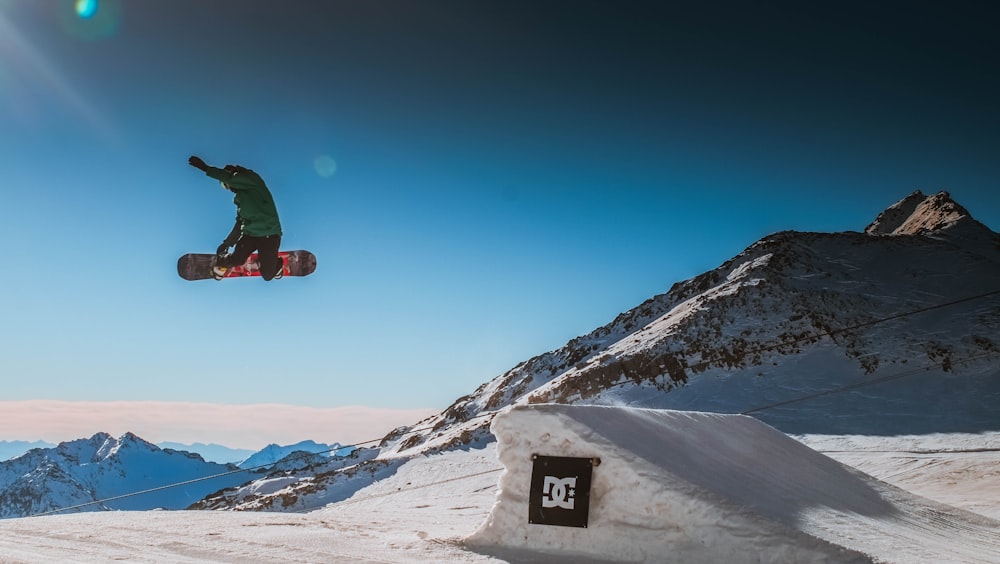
(195, 266)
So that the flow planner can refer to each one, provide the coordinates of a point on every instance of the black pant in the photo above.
(267, 254)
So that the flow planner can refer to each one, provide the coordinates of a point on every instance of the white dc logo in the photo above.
(559, 492)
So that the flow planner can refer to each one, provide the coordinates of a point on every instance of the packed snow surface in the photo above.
(689, 486)
(671, 486)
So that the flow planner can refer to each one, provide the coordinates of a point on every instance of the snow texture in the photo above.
(87, 471)
(688, 486)
(667, 483)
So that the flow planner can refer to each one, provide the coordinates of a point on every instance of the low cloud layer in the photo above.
(250, 426)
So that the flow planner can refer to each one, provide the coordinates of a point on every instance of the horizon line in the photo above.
(248, 426)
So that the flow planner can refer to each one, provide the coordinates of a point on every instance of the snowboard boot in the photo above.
(218, 272)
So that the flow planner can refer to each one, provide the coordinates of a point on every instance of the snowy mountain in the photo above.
(892, 330)
(86, 471)
(793, 316)
(273, 453)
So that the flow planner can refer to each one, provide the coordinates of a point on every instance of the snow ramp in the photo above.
(674, 486)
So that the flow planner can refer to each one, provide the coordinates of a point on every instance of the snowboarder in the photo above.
(257, 227)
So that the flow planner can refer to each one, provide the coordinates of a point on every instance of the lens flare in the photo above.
(33, 75)
(91, 20)
(325, 166)
(86, 8)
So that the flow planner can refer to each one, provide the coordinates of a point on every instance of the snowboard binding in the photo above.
(218, 272)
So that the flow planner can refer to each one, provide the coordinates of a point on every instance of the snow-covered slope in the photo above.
(101, 467)
(426, 509)
(703, 487)
(793, 316)
(302, 481)
(418, 514)
(895, 330)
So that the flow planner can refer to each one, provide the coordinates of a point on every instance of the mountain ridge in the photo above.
(85, 472)
(650, 344)
(102, 472)
(274, 453)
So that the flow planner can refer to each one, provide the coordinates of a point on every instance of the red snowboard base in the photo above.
(194, 266)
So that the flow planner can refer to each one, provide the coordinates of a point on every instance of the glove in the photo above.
(223, 250)
(197, 163)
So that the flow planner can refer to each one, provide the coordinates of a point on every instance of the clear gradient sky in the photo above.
(481, 181)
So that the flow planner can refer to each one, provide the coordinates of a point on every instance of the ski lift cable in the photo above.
(866, 383)
(856, 326)
(813, 337)
(289, 459)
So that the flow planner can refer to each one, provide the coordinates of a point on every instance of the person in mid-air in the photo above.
(257, 227)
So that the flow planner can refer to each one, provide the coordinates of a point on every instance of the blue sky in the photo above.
(508, 175)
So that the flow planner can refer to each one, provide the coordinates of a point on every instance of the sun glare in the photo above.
(37, 78)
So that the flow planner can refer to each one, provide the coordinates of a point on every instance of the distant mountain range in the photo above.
(210, 452)
(91, 474)
(891, 330)
(273, 453)
(86, 471)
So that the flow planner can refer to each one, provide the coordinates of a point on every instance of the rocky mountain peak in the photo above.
(87, 470)
(919, 213)
(112, 447)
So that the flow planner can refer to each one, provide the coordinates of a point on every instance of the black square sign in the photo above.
(560, 491)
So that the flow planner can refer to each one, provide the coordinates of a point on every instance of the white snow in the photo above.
(81, 472)
(671, 486)
(712, 487)
(420, 514)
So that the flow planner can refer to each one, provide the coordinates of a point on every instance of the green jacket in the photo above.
(256, 214)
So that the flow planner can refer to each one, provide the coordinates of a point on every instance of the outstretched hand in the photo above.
(197, 163)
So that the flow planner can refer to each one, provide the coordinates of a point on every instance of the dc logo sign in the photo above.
(560, 490)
